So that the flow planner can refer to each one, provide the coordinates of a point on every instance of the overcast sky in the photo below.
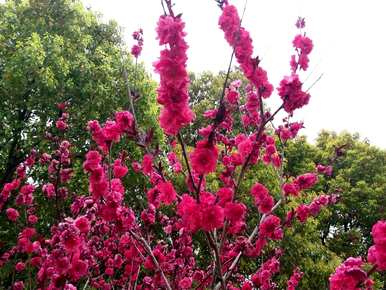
(349, 49)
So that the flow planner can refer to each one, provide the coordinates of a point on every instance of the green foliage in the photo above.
(342, 230)
(360, 175)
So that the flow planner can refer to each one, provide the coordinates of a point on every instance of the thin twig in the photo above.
(150, 253)
(314, 83)
(186, 159)
(86, 284)
(213, 245)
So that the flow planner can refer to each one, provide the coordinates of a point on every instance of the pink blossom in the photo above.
(32, 219)
(306, 181)
(303, 43)
(300, 23)
(18, 285)
(83, 224)
(70, 239)
(61, 125)
(147, 164)
(225, 194)
(79, 269)
(125, 121)
(153, 197)
(291, 189)
(137, 48)
(204, 157)
(119, 169)
(235, 212)
(167, 192)
(93, 159)
(185, 283)
(190, 212)
(136, 166)
(327, 170)
(12, 214)
(294, 280)
(212, 217)
(245, 148)
(302, 212)
(112, 131)
(20, 266)
(262, 278)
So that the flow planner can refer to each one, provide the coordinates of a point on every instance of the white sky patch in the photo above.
(349, 49)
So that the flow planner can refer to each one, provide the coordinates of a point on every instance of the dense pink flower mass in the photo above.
(191, 221)
(174, 80)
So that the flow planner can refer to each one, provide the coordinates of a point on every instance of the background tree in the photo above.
(57, 51)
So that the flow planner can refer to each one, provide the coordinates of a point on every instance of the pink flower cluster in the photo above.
(240, 40)
(174, 80)
(263, 200)
(271, 155)
(290, 88)
(290, 91)
(304, 211)
(62, 123)
(350, 276)
(302, 182)
(294, 279)
(25, 192)
(112, 131)
(252, 108)
(210, 212)
(289, 130)
(303, 46)
(137, 48)
(174, 162)
(377, 252)
(263, 277)
(270, 228)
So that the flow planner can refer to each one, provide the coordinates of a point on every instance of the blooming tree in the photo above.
(101, 242)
